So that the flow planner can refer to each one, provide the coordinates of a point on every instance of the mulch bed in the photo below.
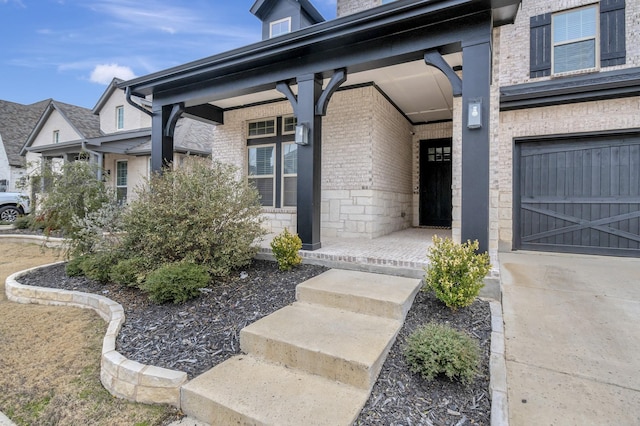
(197, 335)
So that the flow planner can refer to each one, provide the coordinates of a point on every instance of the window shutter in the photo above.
(540, 45)
(612, 33)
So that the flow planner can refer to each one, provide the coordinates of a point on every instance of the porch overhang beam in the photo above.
(260, 71)
(205, 113)
(392, 20)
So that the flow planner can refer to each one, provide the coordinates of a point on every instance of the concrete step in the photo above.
(361, 292)
(245, 390)
(332, 343)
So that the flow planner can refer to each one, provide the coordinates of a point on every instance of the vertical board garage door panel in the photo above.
(579, 196)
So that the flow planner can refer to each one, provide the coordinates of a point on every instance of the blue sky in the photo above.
(69, 50)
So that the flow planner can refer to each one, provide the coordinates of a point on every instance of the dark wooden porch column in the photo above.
(476, 57)
(161, 143)
(309, 162)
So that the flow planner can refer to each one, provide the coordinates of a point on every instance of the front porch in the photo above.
(402, 253)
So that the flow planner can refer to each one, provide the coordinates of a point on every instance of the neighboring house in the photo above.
(511, 122)
(16, 122)
(114, 134)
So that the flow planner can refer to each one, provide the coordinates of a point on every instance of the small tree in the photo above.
(198, 213)
(71, 195)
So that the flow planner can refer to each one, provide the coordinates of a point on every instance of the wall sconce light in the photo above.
(302, 134)
(474, 117)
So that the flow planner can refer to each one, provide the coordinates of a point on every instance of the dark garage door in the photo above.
(578, 195)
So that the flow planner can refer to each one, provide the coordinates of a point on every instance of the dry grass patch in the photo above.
(50, 360)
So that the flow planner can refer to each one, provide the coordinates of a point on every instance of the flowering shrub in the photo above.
(455, 271)
(285, 249)
(435, 349)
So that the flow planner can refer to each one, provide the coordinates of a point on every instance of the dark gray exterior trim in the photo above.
(583, 88)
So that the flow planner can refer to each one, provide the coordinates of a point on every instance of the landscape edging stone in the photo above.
(120, 376)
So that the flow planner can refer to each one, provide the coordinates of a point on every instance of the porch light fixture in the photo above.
(474, 117)
(302, 134)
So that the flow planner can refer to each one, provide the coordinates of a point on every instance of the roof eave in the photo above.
(350, 25)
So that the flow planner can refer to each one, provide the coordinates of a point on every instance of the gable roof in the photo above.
(82, 120)
(262, 7)
(107, 94)
(16, 123)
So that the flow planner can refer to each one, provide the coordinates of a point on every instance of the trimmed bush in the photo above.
(285, 249)
(97, 266)
(199, 213)
(74, 267)
(130, 272)
(436, 349)
(24, 222)
(176, 282)
(455, 271)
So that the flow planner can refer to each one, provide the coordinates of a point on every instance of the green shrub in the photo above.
(200, 213)
(72, 194)
(437, 349)
(96, 231)
(98, 266)
(285, 249)
(24, 222)
(176, 282)
(74, 267)
(130, 272)
(455, 271)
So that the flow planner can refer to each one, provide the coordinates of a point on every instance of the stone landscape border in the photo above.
(122, 377)
(498, 368)
(148, 384)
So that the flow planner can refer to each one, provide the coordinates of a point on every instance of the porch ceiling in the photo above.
(421, 92)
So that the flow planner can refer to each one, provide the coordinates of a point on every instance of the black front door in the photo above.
(435, 182)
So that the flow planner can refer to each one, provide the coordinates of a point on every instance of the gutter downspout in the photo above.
(98, 155)
(127, 92)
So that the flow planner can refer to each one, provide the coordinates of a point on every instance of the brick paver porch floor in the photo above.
(400, 253)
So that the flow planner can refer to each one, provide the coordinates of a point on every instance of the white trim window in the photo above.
(120, 117)
(575, 40)
(121, 180)
(280, 27)
(56, 136)
(262, 170)
(289, 125)
(289, 174)
(261, 128)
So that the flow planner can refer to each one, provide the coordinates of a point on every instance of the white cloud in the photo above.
(104, 73)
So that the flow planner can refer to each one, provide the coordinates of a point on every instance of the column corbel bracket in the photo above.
(435, 59)
(339, 76)
(176, 112)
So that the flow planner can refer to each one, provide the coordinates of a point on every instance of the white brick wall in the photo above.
(515, 38)
(572, 118)
(511, 66)
(366, 163)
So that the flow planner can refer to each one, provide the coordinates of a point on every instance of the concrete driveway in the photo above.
(572, 338)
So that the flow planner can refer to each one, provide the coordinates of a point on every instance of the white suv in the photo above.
(12, 205)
